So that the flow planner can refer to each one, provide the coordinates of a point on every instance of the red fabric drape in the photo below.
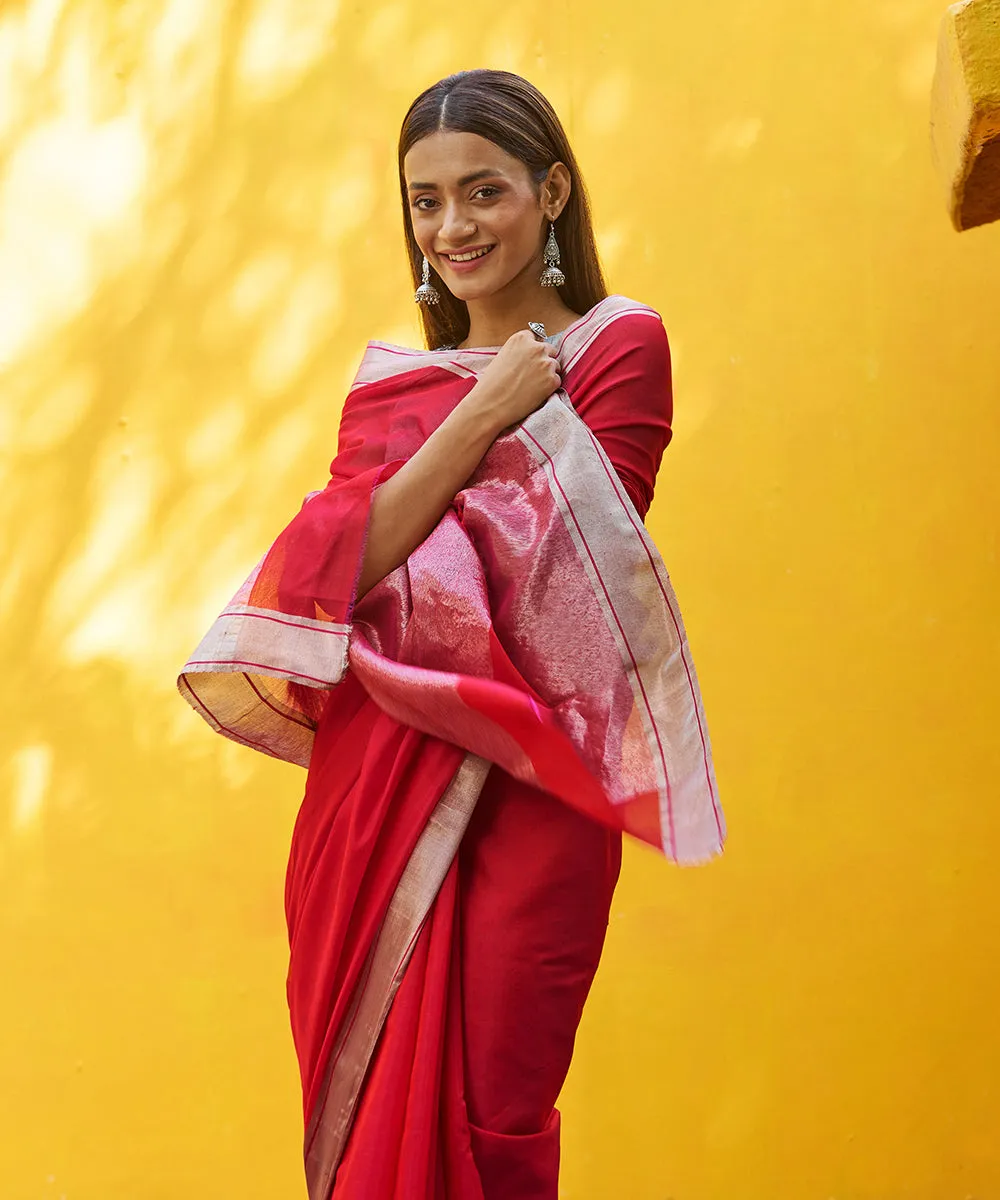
(459, 1101)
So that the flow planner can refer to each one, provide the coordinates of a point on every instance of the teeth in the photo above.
(468, 257)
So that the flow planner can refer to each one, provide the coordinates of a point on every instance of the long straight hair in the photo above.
(514, 115)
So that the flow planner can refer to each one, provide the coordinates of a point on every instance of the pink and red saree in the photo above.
(478, 730)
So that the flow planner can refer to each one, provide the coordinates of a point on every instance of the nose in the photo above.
(455, 225)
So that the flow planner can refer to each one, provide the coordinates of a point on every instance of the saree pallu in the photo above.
(532, 642)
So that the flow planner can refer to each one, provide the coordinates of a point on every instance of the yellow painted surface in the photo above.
(965, 111)
(200, 230)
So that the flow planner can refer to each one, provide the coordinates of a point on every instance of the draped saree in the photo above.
(478, 729)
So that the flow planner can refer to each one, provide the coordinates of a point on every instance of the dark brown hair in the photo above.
(514, 115)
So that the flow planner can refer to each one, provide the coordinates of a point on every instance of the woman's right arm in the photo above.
(407, 506)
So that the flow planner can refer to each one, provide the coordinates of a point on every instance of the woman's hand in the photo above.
(407, 506)
(524, 373)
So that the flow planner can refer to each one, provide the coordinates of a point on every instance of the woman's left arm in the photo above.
(621, 386)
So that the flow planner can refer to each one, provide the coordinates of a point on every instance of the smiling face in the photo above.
(476, 213)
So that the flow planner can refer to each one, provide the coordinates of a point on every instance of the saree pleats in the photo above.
(372, 789)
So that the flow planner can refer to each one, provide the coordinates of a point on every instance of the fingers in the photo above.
(547, 352)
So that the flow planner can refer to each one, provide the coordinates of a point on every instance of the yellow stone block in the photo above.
(965, 111)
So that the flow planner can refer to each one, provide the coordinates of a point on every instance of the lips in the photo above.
(469, 263)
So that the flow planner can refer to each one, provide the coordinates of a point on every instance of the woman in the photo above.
(471, 642)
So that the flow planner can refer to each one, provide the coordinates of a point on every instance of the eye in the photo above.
(485, 191)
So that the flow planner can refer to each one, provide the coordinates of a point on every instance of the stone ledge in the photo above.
(965, 111)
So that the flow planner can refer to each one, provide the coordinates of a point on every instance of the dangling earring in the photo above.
(427, 293)
(552, 276)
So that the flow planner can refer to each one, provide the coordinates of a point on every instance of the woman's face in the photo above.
(469, 197)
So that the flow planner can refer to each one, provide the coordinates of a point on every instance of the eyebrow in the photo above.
(487, 173)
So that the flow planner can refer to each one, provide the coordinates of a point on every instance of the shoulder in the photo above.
(618, 334)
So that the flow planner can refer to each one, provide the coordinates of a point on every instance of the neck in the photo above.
(495, 318)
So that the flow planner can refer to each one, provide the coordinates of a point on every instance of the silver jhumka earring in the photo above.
(427, 293)
(552, 276)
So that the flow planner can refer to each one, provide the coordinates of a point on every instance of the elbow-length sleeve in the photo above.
(621, 386)
(263, 672)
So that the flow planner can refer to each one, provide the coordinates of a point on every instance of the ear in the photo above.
(555, 190)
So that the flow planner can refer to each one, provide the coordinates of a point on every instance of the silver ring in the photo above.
(538, 329)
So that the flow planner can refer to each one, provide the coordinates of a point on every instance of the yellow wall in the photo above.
(200, 231)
